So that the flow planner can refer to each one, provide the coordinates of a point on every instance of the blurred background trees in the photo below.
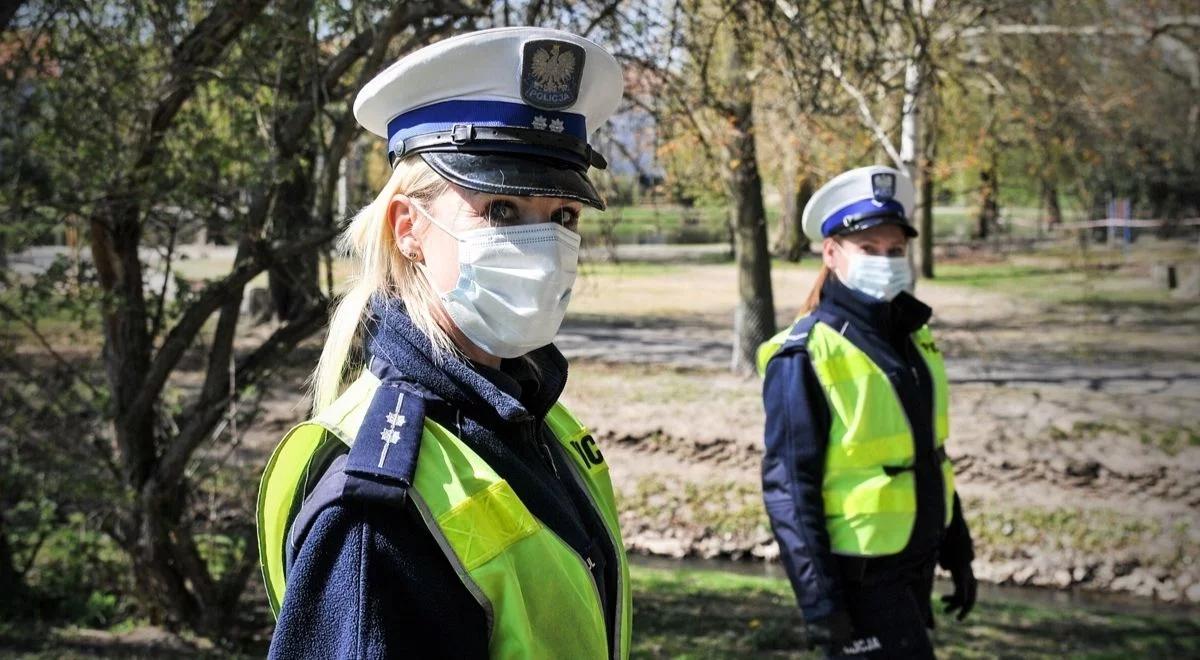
(137, 133)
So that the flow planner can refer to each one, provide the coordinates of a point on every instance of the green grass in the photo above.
(1169, 436)
(720, 507)
(648, 222)
(690, 613)
(1102, 282)
(657, 224)
(602, 269)
(705, 614)
(1012, 531)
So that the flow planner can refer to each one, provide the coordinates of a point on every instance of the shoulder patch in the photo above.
(798, 337)
(384, 455)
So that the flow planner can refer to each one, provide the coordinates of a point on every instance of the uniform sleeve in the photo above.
(797, 431)
(369, 582)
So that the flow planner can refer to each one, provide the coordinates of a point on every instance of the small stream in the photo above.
(1109, 602)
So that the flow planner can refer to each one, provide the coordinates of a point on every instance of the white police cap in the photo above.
(505, 111)
(859, 199)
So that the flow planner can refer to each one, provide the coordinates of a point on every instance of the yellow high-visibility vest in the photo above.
(540, 596)
(869, 488)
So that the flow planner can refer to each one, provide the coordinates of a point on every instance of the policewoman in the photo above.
(442, 502)
(856, 481)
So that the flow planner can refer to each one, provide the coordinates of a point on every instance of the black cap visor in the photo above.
(518, 175)
(874, 221)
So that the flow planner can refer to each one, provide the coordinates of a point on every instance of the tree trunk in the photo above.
(754, 319)
(910, 118)
(924, 204)
(917, 154)
(791, 242)
(12, 586)
(988, 208)
(146, 527)
(295, 284)
(1053, 212)
(115, 236)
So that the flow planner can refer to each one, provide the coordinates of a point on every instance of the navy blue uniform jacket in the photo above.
(797, 433)
(366, 578)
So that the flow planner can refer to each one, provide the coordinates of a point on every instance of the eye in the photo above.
(501, 212)
(896, 252)
(567, 217)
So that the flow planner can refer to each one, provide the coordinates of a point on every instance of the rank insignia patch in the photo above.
(389, 439)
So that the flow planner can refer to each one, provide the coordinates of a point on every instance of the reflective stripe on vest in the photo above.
(869, 489)
(539, 596)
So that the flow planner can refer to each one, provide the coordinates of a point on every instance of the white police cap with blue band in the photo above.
(505, 111)
(860, 199)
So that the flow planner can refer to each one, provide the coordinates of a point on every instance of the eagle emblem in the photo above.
(551, 71)
(883, 186)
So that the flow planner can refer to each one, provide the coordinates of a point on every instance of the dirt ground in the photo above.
(1075, 415)
(1075, 412)
(1075, 421)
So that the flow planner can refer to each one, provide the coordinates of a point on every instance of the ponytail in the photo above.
(814, 295)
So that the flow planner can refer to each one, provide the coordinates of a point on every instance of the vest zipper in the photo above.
(615, 642)
(546, 455)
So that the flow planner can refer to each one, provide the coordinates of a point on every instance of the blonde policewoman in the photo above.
(442, 502)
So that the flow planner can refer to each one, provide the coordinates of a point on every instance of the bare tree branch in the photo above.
(1126, 30)
(864, 111)
(199, 51)
(183, 333)
(202, 415)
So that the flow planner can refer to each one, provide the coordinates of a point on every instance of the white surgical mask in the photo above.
(882, 278)
(514, 284)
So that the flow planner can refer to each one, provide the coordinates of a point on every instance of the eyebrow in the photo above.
(879, 245)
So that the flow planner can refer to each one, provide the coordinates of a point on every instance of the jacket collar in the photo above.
(522, 389)
(904, 314)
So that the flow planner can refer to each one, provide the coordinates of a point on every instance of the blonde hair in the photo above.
(814, 295)
(370, 241)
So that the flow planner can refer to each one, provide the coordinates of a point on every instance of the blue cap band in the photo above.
(443, 116)
(847, 216)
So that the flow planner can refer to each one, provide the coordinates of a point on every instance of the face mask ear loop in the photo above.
(429, 216)
(912, 269)
(846, 260)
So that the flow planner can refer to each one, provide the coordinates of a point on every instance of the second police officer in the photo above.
(856, 481)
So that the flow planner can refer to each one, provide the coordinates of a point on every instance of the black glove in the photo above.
(965, 586)
(834, 631)
(955, 555)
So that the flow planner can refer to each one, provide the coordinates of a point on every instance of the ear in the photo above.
(828, 253)
(402, 219)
